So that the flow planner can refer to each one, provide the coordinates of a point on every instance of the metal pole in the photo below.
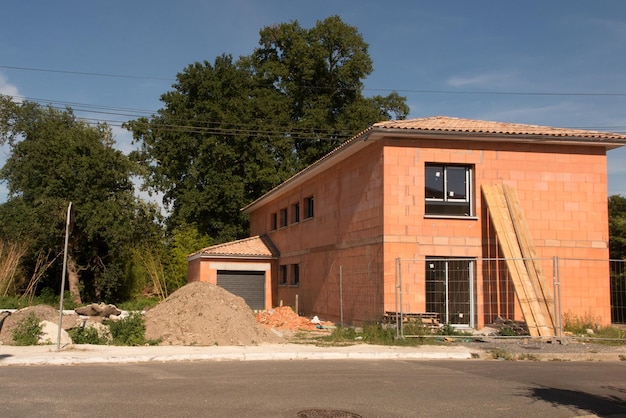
(341, 295)
(557, 295)
(67, 236)
(397, 296)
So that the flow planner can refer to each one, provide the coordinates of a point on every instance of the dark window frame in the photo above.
(309, 207)
(449, 190)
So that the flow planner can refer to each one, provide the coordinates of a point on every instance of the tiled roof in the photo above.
(257, 246)
(458, 125)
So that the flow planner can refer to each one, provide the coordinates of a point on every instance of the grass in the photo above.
(580, 326)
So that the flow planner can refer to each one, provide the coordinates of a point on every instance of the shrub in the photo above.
(87, 335)
(129, 331)
(27, 331)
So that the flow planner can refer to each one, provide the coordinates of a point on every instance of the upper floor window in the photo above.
(309, 207)
(273, 221)
(283, 217)
(448, 190)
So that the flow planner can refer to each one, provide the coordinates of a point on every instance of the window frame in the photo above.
(295, 213)
(309, 207)
(295, 275)
(283, 275)
(273, 222)
(284, 217)
(448, 200)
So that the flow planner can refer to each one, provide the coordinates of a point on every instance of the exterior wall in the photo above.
(563, 192)
(369, 211)
(343, 238)
(205, 270)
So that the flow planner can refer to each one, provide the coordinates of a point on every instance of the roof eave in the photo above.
(375, 133)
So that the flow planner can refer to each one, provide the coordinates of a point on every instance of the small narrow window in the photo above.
(283, 217)
(295, 210)
(273, 222)
(282, 275)
(295, 277)
(309, 211)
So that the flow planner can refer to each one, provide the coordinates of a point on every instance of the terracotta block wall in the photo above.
(204, 269)
(563, 192)
(345, 232)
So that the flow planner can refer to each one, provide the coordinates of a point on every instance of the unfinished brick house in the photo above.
(461, 218)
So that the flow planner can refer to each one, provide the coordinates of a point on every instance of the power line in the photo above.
(420, 91)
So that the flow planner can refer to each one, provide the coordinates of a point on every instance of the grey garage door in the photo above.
(250, 285)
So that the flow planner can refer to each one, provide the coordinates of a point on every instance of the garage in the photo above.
(250, 285)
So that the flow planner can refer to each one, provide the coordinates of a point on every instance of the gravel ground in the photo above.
(551, 349)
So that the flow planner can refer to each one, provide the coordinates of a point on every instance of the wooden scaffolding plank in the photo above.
(504, 219)
(529, 253)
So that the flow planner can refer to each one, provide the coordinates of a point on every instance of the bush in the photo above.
(27, 331)
(88, 335)
(129, 331)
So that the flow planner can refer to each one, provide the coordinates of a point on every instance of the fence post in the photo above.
(341, 295)
(556, 281)
(397, 296)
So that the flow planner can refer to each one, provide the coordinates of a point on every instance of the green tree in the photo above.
(56, 159)
(232, 130)
(617, 227)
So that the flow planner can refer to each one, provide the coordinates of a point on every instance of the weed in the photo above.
(500, 354)
(622, 357)
(87, 335)
(27, 331)
(139, 304)
(601, 335)
(508, 332)
(527, 356)
(129, 331)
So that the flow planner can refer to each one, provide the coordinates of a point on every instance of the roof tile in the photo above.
(451, 124)
(257, 246)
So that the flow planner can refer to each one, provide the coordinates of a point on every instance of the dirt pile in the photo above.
(285, 318)
(204, 314)
(42, 312)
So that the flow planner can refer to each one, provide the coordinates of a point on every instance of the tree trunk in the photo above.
(72, 278)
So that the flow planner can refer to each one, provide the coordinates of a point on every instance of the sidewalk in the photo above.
(95, 354)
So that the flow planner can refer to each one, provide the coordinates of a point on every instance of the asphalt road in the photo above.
(391, 388)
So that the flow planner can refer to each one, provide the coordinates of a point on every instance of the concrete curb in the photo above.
(87, 354)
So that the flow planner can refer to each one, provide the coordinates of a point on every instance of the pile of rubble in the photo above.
(285, 318)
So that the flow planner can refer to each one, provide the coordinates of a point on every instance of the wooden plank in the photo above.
(532, 302)
(533, 263)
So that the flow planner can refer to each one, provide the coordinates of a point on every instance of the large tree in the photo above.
(232, 130)
(55, 159)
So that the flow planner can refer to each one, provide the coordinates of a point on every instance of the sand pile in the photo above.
(204, 314)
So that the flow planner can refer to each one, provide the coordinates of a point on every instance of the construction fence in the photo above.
(472, 293)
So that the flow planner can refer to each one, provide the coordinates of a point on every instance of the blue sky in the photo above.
(559, 63)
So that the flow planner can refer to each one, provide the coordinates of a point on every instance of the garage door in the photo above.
(250, 285)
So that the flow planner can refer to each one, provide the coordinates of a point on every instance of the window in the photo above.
(295, 210)
(283, 217)
(282, 275)
(295, 276)
(448, 190)
(308, 207)
(450, 290)
(273, 222)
